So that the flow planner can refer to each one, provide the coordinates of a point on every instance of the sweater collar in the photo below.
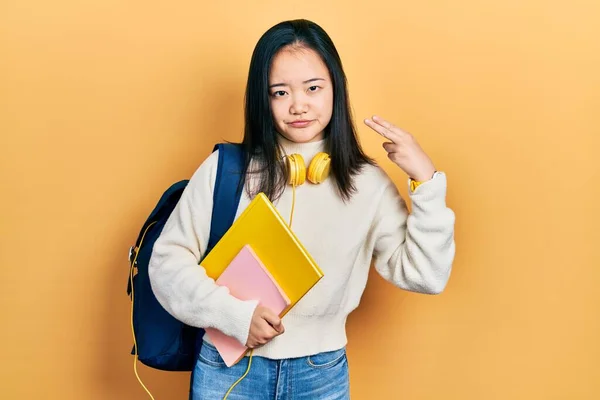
(307, 150)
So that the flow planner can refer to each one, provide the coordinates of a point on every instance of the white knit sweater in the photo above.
(412, 251)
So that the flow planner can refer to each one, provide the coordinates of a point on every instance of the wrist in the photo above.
(423, 177)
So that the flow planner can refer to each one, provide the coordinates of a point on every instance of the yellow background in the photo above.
(105, 103)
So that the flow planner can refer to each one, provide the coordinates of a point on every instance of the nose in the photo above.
(299, 104)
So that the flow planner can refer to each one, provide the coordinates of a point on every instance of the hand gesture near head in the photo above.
(403, 149)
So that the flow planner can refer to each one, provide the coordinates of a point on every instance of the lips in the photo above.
(300, 123)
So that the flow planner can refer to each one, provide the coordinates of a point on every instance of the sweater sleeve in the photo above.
(182, 286)
(415, 251)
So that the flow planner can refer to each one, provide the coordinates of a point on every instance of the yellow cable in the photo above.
(293, 203)
(242, 377)
(135, 358)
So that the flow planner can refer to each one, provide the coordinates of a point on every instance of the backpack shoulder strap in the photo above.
(162, 209)
(227, 191)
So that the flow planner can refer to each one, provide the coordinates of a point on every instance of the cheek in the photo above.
(277, 110)
(326, 106)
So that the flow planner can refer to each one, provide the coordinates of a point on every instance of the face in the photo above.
(301, 94)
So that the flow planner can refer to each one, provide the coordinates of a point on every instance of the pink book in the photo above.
(247, 279)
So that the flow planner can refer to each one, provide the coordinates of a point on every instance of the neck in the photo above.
(307, 149)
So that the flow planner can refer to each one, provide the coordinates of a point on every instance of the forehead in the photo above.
(295, 65)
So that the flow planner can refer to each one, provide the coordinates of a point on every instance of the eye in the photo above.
(314, 88)
(279, 93)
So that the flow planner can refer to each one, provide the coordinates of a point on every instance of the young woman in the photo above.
(297, 103)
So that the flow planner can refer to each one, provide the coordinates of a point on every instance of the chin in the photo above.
(299, 137)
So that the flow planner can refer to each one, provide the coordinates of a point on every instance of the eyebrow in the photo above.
(308, 81)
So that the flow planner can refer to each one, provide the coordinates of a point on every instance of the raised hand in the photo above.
(403, 149)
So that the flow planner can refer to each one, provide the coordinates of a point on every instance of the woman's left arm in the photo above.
(413, 251)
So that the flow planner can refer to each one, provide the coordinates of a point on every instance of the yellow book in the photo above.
(262, 227)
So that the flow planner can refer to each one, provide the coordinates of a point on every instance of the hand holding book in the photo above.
(264, 327)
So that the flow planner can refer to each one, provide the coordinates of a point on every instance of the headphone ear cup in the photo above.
(296, 169)
(319, 168)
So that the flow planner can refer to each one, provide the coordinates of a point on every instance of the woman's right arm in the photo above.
(179, 283)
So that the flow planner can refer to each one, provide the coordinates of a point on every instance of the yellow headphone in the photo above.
(318, 169)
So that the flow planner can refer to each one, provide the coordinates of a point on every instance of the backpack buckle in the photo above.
(132, 254)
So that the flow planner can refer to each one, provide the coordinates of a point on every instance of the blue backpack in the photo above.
(164, 342)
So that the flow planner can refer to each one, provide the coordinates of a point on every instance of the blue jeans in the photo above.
(323, 376)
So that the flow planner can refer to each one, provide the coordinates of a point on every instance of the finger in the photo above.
(271, 318)
(389, 126)
(383, 122)
(274, 333)
(383, 131)
(377, 128)
(279, 328)
(273, 330)
(270, 332)
(390, 147)
(393, 157)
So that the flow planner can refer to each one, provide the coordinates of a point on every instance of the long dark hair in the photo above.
(260, 135)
